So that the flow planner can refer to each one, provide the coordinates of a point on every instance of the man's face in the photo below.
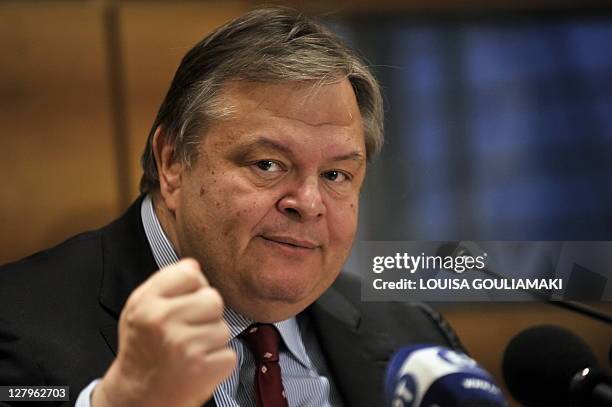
(270, 207)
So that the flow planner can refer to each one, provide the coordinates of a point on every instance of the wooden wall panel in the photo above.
(57, 160)
(155, 37)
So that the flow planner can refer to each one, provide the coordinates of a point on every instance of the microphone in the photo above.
(428, 375)
(550, 366)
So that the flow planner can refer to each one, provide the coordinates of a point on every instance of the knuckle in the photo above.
(189, 262)
(191, 274)
(134, 300)
(130, 317)
(132, 314)
(135, 297)
(155, 320)
(214, 300)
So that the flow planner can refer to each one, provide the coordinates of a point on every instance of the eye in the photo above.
(268, 166)
(336, 176)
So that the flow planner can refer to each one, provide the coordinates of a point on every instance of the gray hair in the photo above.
(266, 45)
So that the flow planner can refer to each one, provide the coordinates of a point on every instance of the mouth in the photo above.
(291, 242)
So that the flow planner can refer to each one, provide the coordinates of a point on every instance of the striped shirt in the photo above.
(304, 373)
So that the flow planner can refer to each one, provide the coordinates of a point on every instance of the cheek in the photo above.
(235, 207)
(342, 223)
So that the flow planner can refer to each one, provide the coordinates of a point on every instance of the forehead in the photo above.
(308, 103)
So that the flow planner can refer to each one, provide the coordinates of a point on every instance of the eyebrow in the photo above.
(354, 156)
(263, 142)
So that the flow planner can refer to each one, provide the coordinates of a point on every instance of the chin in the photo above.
(273, 300)
(291, 288)
(279, 291)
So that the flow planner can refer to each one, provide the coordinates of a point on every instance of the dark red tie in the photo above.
(262, 340)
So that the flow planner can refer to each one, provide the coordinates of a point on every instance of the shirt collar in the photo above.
(165, 255)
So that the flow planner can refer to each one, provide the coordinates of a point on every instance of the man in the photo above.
(252, 173)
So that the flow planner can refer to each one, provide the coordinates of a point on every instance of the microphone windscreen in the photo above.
(540, 362)
(431, 375)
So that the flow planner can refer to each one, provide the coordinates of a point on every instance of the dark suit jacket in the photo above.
(59, 311)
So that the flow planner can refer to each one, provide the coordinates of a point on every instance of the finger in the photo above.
(203, 305)
(216, 336)
(179, 278)
(203, 339)
(221, 363)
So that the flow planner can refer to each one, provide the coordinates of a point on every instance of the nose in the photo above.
(303, 201)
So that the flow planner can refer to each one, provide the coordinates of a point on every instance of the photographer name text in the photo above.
(465, 284)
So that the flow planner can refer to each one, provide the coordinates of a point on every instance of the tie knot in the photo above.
(262, 340)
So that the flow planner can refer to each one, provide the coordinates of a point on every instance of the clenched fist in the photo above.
(172, 343)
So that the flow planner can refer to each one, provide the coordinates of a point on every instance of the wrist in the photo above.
(113, 390)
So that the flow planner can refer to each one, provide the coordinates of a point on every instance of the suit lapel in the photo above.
(109, 333)
(127, 262)
(356, 353)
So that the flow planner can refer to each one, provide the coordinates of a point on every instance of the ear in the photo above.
(169, 169)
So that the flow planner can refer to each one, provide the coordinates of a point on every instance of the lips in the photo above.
(292, 241)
